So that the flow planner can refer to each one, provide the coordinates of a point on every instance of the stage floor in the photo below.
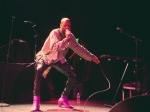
(51, 106)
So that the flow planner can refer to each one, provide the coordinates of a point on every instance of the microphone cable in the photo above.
(100, 90)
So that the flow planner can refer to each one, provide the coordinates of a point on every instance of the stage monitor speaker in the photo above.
(134, 104)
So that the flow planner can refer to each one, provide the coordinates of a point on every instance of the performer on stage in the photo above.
(53, 54)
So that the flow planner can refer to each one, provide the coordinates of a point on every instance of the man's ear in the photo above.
(60, 25)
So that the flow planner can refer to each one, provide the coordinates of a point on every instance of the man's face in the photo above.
(65, 25)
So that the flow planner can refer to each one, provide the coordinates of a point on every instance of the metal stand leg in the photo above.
(118, 86)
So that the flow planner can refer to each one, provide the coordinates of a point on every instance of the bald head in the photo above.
(65, 24)
(64, 20)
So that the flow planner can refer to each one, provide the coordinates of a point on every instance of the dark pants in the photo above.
(64, 68)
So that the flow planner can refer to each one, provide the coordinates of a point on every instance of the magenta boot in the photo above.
(63, 100)
(36, 104)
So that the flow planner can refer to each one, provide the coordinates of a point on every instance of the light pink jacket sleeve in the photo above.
(79, 49)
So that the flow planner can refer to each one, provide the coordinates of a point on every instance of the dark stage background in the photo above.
(94, 23)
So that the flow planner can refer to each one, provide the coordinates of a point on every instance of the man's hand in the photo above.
(96, 60)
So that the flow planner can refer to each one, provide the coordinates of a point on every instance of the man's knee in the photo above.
(39, 67)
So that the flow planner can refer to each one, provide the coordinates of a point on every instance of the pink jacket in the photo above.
(55, 48)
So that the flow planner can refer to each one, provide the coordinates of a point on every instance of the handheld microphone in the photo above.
(68, 31)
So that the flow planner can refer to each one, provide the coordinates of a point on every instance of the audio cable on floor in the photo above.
(100, 90)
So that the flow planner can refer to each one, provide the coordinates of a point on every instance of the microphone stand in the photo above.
(2, 104)
(136, 56)
(33, 27)
(37, 35)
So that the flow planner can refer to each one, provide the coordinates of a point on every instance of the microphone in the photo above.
(34, 26)
(68, 31)
(119, 29)
(13, 17)
(29, 22)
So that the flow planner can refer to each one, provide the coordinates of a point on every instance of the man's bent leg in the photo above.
(67, 70)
